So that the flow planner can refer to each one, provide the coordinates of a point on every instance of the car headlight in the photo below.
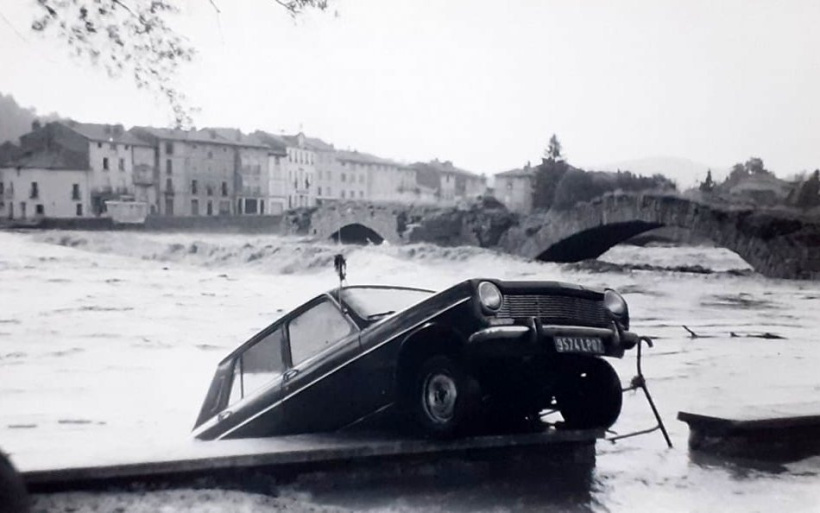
(489, 295)
(615, 303)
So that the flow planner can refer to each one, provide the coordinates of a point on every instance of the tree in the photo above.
(708, 185)
(133, 38)
(545, 182)
(553, 151)
(808, 195)
(754, 166)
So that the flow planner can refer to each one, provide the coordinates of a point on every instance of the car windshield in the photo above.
(374, 303)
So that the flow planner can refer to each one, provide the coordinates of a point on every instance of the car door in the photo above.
(254, 404)
(320, 385)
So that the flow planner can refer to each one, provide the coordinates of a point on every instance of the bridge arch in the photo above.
(773, 245)
(356, 233)
(594, 242)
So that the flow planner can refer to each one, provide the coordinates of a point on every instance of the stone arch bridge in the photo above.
(776, 244)
(357, 223)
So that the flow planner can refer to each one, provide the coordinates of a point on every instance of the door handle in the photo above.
(224, 415)
(290, 374)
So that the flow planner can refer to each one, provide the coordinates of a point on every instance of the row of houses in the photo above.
(70, 169)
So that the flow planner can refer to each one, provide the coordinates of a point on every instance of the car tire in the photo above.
(588, 393)
(443, 396)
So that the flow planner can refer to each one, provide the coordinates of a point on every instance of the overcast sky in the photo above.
(482, 83)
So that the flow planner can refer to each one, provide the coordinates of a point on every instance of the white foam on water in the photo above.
(109, 340)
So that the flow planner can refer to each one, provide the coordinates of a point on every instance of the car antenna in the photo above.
(340, 264)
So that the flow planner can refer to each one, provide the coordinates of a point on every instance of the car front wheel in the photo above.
(588, 393)
(443, 396)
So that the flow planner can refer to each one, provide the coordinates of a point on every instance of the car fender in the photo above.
(418, 343)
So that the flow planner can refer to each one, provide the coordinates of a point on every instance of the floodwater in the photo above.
(111, 339)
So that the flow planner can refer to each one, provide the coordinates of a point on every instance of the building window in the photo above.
(344, 177)
(210, 209)
(209, 190)
(169, 185)
(2, 189)
(122, 164)
(319, 192)
(39, 210)
(35, 191)
(169, 148)
(224, 188)
(99, 145)
(113, 146)
(79, 209)
(194, 207)
(126, 147)
(105, 163)
(193, 187)
(343, 194)
(75, 191)
(169, 166)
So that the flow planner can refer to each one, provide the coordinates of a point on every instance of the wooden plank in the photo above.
(782, 433)
(303, 450)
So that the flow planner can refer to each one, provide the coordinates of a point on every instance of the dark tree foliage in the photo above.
(545, 182)
(553, 150)
(708, 185)
(133, 38)
(808, 195)
(578, 185)
(741, 171)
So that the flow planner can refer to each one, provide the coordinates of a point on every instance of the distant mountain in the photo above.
(687, 173)
(16, 120)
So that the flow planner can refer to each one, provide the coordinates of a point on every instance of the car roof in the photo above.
(390, 287)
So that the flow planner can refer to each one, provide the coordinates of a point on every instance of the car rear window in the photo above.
(315, 330)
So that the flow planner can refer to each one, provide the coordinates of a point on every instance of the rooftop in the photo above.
(273, 142)
(225, 136)
(103, 133)
(364, 158)
(444, 167)
(518, 172)
(49, 160)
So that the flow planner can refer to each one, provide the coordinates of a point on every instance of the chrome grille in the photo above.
(557, 309)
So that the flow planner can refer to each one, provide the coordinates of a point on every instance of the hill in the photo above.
(16, 120)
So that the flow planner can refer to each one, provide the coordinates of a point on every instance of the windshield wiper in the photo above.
(373, 317)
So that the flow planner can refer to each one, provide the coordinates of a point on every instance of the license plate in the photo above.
(587, 345)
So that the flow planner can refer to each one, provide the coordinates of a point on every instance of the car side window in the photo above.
(315, 330)
(257, 366)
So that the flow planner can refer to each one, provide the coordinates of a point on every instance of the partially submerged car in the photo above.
(482, 354)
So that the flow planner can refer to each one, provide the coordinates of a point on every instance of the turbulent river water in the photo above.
(112, 338)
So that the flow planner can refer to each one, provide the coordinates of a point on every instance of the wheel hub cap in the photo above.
(440, 394)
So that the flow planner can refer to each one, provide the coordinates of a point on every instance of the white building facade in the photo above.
(37, 192)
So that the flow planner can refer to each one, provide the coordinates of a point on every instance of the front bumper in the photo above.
(534, 338)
